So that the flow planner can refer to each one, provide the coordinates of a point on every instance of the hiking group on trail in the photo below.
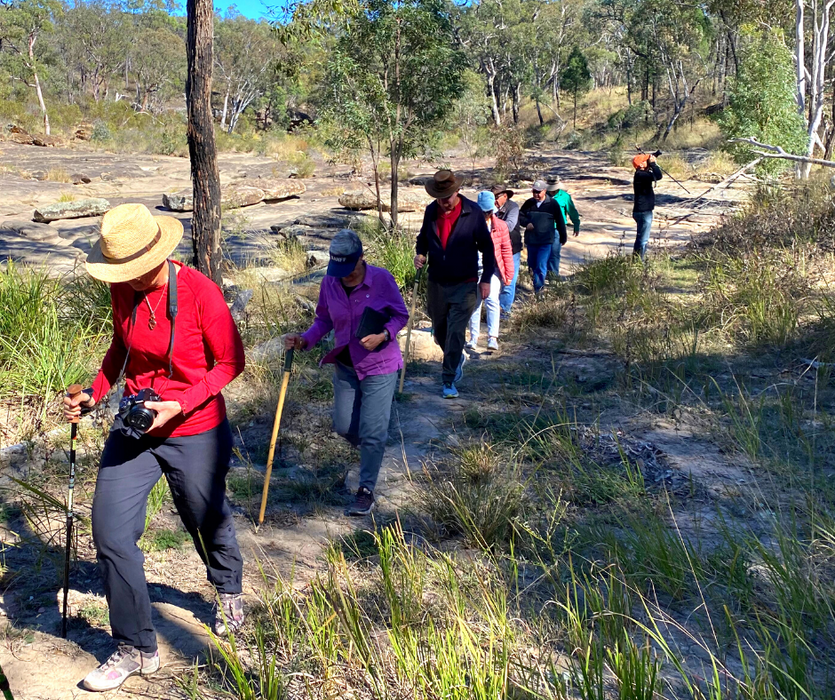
(175, 346)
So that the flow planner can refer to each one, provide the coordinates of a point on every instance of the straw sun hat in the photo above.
(132, 243)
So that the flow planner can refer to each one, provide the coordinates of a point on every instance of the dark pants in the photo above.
(195, 467)
(361, 413)
(450, 307)
(538, 256)
(644, 221)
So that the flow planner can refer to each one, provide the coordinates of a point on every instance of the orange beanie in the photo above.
(640, 161)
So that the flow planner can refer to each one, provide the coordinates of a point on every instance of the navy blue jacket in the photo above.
(459, 261)
(547, 219)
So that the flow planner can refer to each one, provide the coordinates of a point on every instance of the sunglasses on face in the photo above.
(537, 191)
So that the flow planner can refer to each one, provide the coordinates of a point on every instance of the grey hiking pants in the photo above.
(195, 467)
(361, 413)
(450, 307)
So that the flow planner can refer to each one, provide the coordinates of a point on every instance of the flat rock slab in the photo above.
(71, 210)
(279, 188)
(407, 200)
(327, 221)
(43, 233)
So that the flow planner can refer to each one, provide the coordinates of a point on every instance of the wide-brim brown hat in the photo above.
(132, 243)
(501, 189)
(443, 184)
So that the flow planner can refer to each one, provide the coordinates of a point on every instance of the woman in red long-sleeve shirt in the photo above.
(172, 334)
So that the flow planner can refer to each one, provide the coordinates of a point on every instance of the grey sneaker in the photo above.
(493, 344)
(363, 503)
(122, 664)
(229, 614)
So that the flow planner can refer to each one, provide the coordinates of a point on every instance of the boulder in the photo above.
(19, 135)
(42, 233)
(44, 141)
(71, 210)
(268, 350)
(362, 199)
(422, 345)
(80, 179)
(294, 231)
(279, 188)
(235, 196)
(39, 175)
(420, 180)
(315, 258)
(84, 132)
(325, 221)
(238, 307)
(179, 201)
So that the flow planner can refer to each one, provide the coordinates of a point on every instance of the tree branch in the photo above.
(777, 152)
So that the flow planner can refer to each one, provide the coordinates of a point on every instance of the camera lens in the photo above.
(141, 419)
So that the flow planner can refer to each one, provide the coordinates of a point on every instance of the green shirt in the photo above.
(569, 211)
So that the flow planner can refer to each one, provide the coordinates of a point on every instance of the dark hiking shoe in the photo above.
(229, 613)
(122, 664)
(363, 503)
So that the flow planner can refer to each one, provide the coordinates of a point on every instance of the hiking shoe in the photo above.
(459, 373)
(122, 664)
(471, 344)
(363, 503)
(229, 614)
(450, 392)
(493, 344)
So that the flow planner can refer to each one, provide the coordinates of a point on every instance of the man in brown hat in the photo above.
(171, 422)
(453, 237)
(508, 211)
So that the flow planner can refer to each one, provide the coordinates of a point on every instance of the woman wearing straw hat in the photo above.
(173, 335)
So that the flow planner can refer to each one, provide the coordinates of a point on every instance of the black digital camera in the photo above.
(133, 413)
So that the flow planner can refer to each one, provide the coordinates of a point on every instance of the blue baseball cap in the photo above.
(345, 252)
(486, 200)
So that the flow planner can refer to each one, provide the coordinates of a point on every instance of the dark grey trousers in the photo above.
(361, 413)
(195, 467)
(450, 307)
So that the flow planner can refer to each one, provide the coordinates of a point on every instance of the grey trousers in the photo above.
(195, 467)
(361, 413)
(450, 307)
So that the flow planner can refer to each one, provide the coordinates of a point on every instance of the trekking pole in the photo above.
(409, 329)
(72, 391)
(659, 153)
(285, 379)
(5, 688)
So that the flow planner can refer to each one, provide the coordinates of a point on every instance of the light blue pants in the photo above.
(491, 303)
(508, 293)
(361, 413)
(554, 258)
(644, 221)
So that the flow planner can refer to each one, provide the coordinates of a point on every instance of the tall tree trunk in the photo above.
(516, 97)
(574, 127)
(205, 223)
(395, 165)
(800, 56)
(38, 90)
(494, 104)
(539, 111)
(225, 108)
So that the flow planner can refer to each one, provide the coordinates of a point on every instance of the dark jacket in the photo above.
(644, 186)
(545, 219)
(509, 213)
(459, 261)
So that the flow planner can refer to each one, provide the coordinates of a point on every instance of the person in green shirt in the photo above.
(569, 212)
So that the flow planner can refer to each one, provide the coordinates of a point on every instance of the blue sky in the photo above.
(256, 9)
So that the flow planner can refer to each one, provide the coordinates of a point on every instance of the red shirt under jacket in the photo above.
(208, 352)
(446, 222)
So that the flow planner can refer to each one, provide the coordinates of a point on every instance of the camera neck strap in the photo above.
(173, 308)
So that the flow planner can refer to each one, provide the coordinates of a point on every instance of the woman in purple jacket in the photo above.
(365, 368)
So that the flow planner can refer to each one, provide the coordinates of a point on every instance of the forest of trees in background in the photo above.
(667, 55)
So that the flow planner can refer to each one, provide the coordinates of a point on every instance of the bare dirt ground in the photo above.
(40, 665)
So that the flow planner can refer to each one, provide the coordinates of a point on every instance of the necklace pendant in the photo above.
(152, 323)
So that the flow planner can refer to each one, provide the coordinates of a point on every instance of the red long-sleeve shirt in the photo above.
(208, 352)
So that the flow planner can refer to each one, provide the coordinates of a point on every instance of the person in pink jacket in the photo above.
(504, 273)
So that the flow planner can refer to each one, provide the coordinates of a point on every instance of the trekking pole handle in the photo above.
(74, 390)
(288, 359)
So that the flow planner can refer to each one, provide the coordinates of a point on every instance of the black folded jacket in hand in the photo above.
(372, 322)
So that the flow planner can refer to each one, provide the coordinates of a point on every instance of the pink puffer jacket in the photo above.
(504, 251)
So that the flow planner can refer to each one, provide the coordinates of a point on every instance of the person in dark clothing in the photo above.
(508, 211)
(451, 237)
(647, 173)
(541, 216)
